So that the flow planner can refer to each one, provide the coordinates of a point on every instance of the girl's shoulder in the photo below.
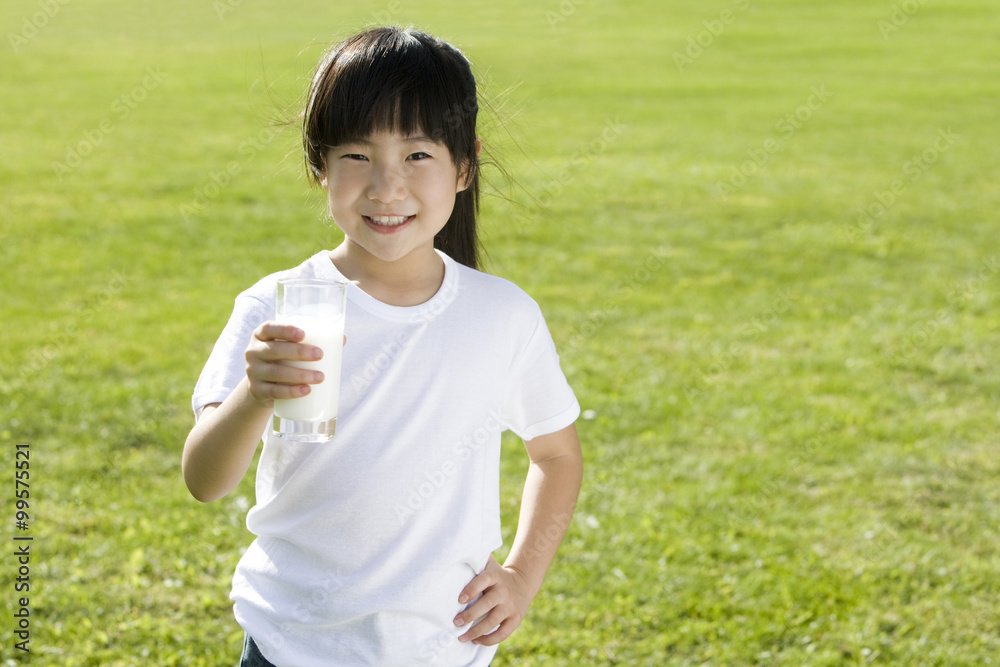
(493, 288)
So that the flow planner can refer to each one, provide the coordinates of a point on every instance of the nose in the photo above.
(387, 184)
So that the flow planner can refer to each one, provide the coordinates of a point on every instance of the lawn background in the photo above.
(775, 296)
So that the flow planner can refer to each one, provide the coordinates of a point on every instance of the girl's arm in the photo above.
(220, 447)
(547, 504)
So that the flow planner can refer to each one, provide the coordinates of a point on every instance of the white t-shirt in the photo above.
(365, 542)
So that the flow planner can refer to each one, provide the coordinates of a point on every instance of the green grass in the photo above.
(792, 408)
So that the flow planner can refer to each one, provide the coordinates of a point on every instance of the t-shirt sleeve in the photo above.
(226, 366)
(538, 399)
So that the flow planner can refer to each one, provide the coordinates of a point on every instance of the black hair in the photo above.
(404, 80)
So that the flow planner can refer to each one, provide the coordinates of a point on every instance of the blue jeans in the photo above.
(251, 654)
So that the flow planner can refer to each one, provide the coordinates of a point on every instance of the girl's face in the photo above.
(390, 194)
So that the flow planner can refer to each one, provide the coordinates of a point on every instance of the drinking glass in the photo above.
(317, 307)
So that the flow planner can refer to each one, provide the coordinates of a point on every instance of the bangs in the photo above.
(390, 80)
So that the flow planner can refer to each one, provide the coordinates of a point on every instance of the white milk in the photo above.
(321, 402)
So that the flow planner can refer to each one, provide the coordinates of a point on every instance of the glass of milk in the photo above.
(317, 307)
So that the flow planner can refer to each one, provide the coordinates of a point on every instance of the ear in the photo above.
(464, 174)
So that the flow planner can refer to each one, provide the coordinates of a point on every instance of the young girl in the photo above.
(375, 548)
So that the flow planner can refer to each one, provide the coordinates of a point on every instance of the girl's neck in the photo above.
(408, 281)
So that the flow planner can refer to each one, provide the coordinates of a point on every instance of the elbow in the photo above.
(201, 495)
(197, 490)
(198, 484)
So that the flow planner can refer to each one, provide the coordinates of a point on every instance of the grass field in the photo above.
(764, 235)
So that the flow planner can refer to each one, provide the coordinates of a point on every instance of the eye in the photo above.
(354, 156)
(419, 155)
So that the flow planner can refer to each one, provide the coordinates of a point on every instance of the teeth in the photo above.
(390, 220)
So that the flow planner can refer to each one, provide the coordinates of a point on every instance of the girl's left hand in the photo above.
(504, 603)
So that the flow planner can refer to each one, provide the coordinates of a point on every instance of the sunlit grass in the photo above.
(790, 386)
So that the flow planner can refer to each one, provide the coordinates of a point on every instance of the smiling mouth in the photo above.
(387, 224)
(388, 220)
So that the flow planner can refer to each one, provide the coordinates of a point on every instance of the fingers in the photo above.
(279, 373)
(494, 627)
(484, 604)
(265, 393)
(505, 629)
(270, 356)
(274, 331)
(479, 583)
(285, 340)
(496, 607)
(270, 381)
(281, 342)
(279, 350)
(502, 604)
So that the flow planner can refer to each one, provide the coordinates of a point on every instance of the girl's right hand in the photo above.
(268, 377)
